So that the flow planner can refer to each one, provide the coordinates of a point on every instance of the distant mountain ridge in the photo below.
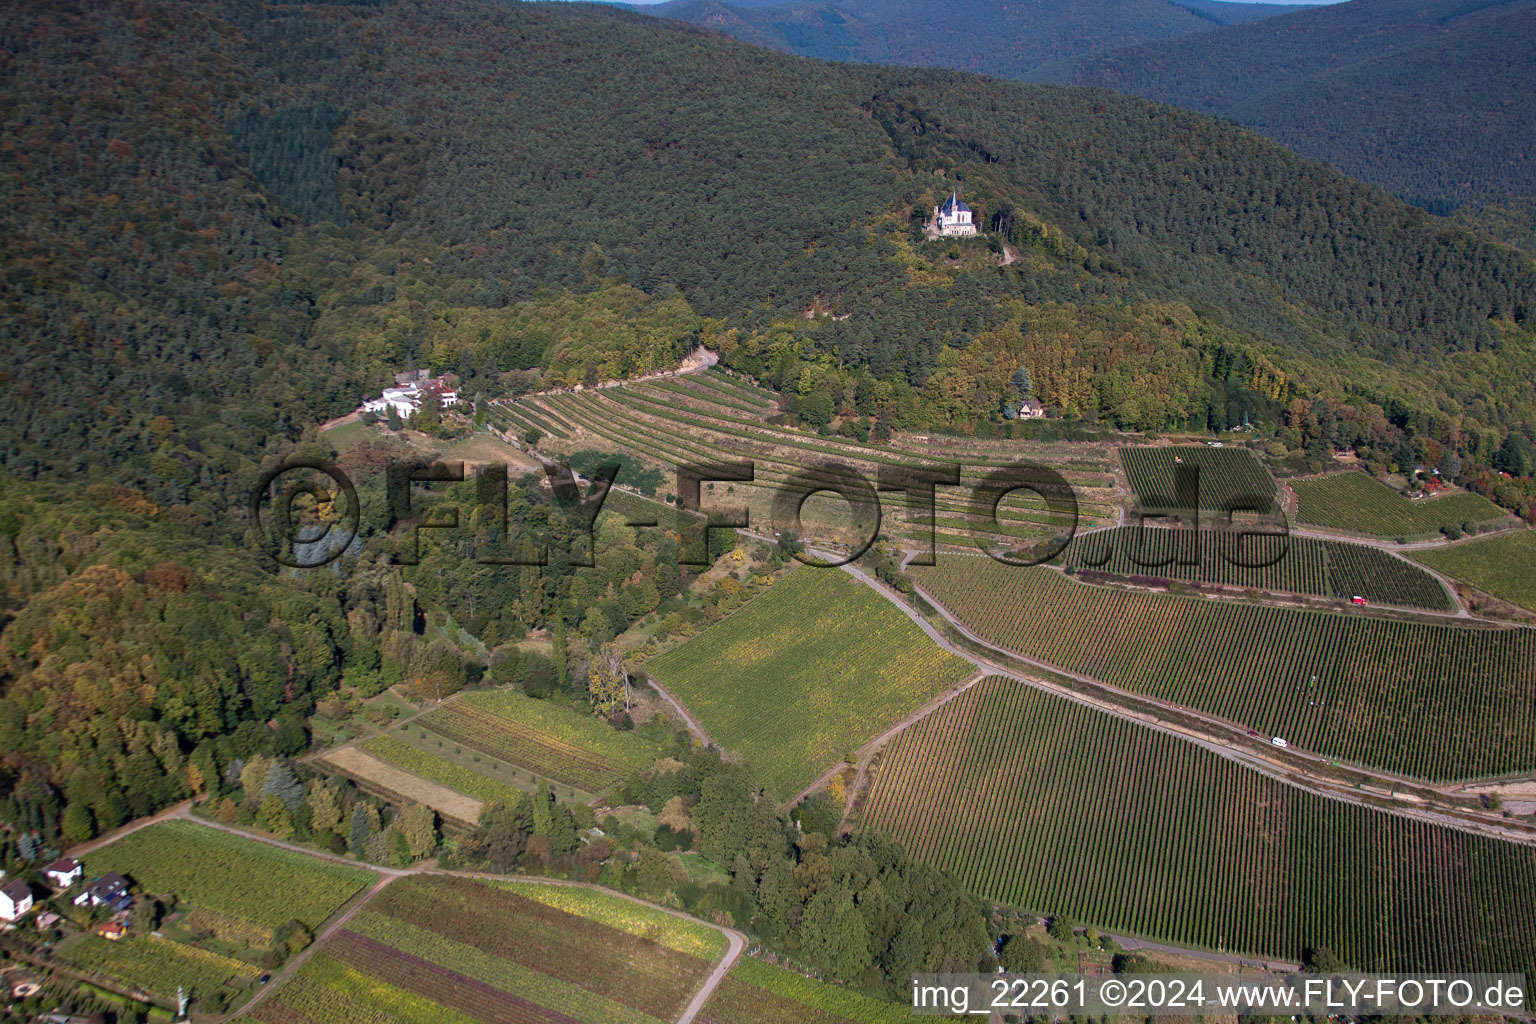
(999, 37)
(1433, 99)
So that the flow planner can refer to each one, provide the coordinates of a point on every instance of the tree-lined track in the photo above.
(1425, 700)
(1273, 562)
(1060, 808)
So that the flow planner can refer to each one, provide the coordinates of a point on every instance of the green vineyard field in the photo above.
(434, 949)
(805, 673)
(230, 875)
(1230, 478)
(1301, 565)
(1434, 701)
(157, 966)
(1055, 807)
(555, 742)
(1504, 565)
(1359, 503)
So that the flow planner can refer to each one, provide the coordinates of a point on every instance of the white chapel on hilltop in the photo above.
(953, 217)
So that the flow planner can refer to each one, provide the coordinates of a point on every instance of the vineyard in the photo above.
(1058, 808)
(439, 769)
(157, 966)
(229, 875)
(638, 919)
(805, 673)
(1434, 701)
(1503, 565)
(1359, 503)
(702, 418)
(1229, 478)
(433, 949)
(1300, 565)
(760, 993)
(550, 741)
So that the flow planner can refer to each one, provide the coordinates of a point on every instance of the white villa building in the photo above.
(952, 217)
(410, 390)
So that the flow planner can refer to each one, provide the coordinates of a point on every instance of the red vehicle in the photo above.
(1357, 599)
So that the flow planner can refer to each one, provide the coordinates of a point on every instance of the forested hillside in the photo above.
(1431, 99)
(226, 221)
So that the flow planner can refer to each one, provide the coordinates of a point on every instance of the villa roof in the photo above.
(954, 204)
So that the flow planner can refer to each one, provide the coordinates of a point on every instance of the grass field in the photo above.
(1435, 701)
(1230, 479)
(806, 673)
(756, 992)
(1300, 565)
(1359, 503)
(229, 875)
(1059, 808)
(543, 738)
(1504, 565)
(436, 950)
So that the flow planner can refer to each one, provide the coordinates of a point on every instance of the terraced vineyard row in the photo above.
(551, 741)
(1435, 701)
(644, 421)
(1229, 478)
(1059, 808)
(1301, 565)
(1360, 503)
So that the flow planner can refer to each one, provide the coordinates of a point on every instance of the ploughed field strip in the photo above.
(1436, 701)
(756, 992)
(542, 738)
(682, 421)
(1228, 478)
(1359, 503)
(439, 950)
(806, 672)
(439, 769)
(1299, 565)
(1055, 807)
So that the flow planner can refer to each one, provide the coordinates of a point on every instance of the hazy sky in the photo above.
(1294, 3)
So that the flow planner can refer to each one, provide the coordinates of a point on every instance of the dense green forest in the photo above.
(1432, 99)
(227, 221)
